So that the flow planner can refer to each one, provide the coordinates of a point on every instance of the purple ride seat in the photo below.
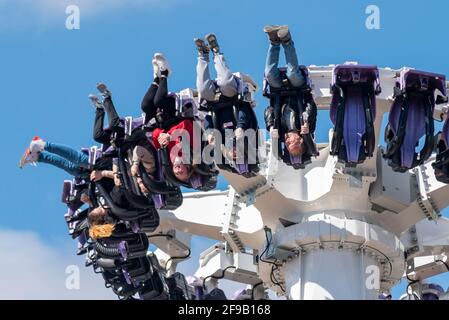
(94, 153)
(411, 118)
(303, 95)
(132, 124)
(359, 84)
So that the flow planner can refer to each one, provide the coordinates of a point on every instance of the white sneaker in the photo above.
(95, 101)
(28, 158)
(284, 34)
(37, 145)
(156, 71)
(162, 63)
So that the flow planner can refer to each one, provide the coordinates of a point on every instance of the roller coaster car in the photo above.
(215, 294)
(178, 287)
(353, 111)
(78, 227)
(146, 224)
(75, 218)
(138, 270)
(292, 106)
(144, 274)
(71, 196)
(441, 164)
(243, 100)
(122, 246)
(411, 118)
(115, 280)
(204, 178)
(164, 195)
(126, 214)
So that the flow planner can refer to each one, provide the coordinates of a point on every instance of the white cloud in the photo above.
(41, 14)
(31, 269)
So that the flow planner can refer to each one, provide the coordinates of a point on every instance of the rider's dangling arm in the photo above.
(270, 118)
(311, 112)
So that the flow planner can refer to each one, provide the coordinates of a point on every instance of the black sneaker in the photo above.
(213, 44)
(104, 90)
(201, 46)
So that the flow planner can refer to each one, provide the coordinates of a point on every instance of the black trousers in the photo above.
(158, 104)
(104, 136)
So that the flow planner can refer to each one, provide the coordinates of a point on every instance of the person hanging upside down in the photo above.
(230, 115)
(101, 224)
(74, 162)
(142, 156)
(286, 123)
(182, 166)
(160, 108)
(115, 132)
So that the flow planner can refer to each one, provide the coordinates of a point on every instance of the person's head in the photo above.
(85, 198)
(294, 143)
(100, 225)
(146, 158)
(181, 171)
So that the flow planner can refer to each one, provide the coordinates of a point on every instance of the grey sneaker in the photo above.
(104, 90)
(202, 47)
(284, 34)
(213, 44)
(272, 32)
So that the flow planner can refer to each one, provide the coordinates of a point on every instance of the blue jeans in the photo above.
(272, 72)
(65, 158)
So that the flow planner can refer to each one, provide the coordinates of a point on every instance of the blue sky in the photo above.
(48, 71)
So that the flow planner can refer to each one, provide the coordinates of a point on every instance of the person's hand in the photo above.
(96, 175)
(117, 181)
(135, 170)
(211, 139)
(142, 186)
(274, 133)
(163, 139)
(239, 132)
(230, 154)
(305, 129)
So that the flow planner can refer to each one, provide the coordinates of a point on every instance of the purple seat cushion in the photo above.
(415, 127)
(354, 123)
(242, 168)
(158, 201)
(295, 159)
(195, 181)
(354, 126)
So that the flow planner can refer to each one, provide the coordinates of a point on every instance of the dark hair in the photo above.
(95, 218)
